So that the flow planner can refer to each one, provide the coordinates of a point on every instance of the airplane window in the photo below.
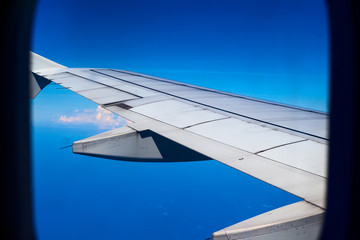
(264, 51)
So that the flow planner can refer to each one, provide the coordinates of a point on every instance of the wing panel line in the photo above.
(285, 144)
(205, 122)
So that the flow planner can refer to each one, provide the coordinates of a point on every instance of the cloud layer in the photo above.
(100, 117)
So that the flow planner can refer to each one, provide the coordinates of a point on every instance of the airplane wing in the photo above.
(282, 145)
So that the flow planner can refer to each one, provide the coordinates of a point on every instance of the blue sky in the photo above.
(253, 48)
(274, 50)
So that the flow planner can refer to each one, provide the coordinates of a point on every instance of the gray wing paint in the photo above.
(285, 146)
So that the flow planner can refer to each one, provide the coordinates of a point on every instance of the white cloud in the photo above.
(102, 118)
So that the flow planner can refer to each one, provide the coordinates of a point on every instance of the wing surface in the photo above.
(283, 145)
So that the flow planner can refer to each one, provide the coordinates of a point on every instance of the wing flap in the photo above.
(244, 135)
(307, 155)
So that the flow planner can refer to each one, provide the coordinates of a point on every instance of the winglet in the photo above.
(40, 66)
